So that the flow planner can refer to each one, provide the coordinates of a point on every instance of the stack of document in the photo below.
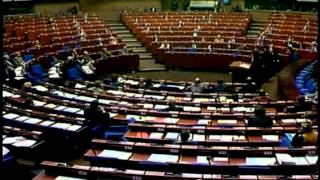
(123, 155)
(260, 161)
(284, 158)
(156, 135)
(12, 140)
(171, 135)
(164, 158)
(170, 120)
(25, 143)
(202, 159)
(198, 137)
(270, 137)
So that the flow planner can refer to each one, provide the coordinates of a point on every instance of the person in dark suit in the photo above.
(220, 87)
(96, 118)
(184, 138)
(301, 105)
(305, 136)
(260, 119)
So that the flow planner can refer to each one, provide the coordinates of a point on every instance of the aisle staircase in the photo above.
(147, 61)
(255, 29)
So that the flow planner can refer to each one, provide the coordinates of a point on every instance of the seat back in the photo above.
(74, 73)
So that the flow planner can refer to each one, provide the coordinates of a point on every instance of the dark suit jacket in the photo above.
(260, 121)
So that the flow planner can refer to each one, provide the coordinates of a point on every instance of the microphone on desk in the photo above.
(209, 160)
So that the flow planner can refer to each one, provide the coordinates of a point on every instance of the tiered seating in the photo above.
(179, 28)
(304, 81)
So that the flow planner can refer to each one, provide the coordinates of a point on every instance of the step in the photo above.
(252, 35)
(118, 28)
(114, 24)
(136, 50)
(125, 36)
(133, 44)
(145, 57)
(153, 69)
(124, 31)
(129, 39)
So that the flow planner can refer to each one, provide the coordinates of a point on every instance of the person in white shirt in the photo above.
(219, 39)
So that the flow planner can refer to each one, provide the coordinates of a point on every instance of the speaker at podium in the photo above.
(239, 71)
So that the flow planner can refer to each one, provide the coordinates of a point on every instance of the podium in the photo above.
(239, 70)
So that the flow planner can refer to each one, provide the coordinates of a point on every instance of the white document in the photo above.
(192, 109)
(270, 137)
(46, 123)
(211, 108)
(80, 86)
(22, 118)
(227, 121)
(60, 108)
(300, 160)
(10, 116)
(312, 159)
(155, 135)
(67, 178)
(113, 115)
(199, 100)
(33, 120)
(5, 151)
(170, 120)
(227, 138)
(203, 121)
(6, 94)
(81, 112)
(199, 137)
(40, 88)
(74, 127)
(61, 125)
(123, 155)
(284, 158)
(220, 159)
(163, 158)
(38, 103)
(51, 106)
(288, 121)
(202, 159)
(160, 106)
(171, 135)
(301, 120)
(71, 109)
(260, 161)
(25, 143)
(215, 137)
(147, 106)
(11, 140)
(105, 101)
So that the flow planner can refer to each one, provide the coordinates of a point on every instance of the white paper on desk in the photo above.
(198, 137)
(74, 127)
(132, 82)
(85, 98)
(186, 99)
(192, 109)
(203, 121)
(135, 117)
(150, 118)
(300, 160)
(5, 151)
(11, 116)
(192, 175)
(114, 92)
(81, 112)
(225, 109)
(202, 159)
(25, 143)
(171, 135)
(170, 120)
(154, 97)
(80, 86)
(69, 95)
(163, 158)
(61, 125)
(113, 115)
(54, 75)
(222, 98)
(11, 140)
(40, 88)
(227, 121)
(60, 108)
(215, 137)
(156, 135)
(22, 118)
(51, 106)
(160, 106)
(260, 161)
(115, 154)
(104, 101)
(270, 137)
(33, 120)
(199, 100)
(289, 121)
(6, 94)
(138, 95)
(283, 158)
(38, 103)
(227, 138)
(130, 94)
(147, 106)
(211, 108)
(220, 159)
(71, 109)
(18, 77)
(301, 120)
(312, 159)
(46, 123)
(67, 178)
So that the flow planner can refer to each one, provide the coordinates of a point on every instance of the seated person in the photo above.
(17, 61)
(148, 84)
(85, 58)
(173, 107)
(301, 105)
(263, 96)
(196, 87)
(184, 138)
(96, 117)
(260, 119)
(306, 136)
(220, 87)
(97, 87)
